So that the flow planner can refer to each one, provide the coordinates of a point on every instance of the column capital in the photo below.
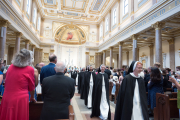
(87, 53)
(127, 52)
(51, 51)
(37, 49)
(4, 23)
(42, 19)
(151, 46)
(96, 53)
(38, 10)
(104, 51)
(134, 36)
(110, 11)
(158, 25)
(100, 53)
(97, 26)
(121, 43)
(111, 47)
(19, 34)
(171, 41)
(33, 46)
(40, 49)
(27, 41)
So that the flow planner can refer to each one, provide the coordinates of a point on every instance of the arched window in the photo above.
(38, 26)
(101, 31)
(125, 7)
(114, 17)
(28, 6)
(107, 24)
(34, 16)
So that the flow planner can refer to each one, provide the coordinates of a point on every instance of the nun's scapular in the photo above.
(132, 101)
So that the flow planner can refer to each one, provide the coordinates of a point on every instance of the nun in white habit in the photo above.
(89, 86)
(132, 100)
(101, 106)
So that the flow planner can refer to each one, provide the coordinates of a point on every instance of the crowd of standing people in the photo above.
(57, 85)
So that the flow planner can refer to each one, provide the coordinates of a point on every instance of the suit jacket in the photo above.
(57, 91)
(47, 71)
(108, 72)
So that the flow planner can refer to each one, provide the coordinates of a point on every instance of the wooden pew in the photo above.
(117, 91)
(36, 108)
(110, 90)
(174, 94)
(166, 107)
(39, 97)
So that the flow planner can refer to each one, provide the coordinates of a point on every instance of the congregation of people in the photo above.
(21, 81)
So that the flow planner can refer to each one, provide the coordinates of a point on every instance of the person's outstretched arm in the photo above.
(171, 79)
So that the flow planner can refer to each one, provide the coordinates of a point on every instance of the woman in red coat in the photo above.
(19, 80)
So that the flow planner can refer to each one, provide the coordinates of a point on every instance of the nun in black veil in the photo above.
(132, 100)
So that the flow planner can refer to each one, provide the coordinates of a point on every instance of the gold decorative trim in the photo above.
(4, 23)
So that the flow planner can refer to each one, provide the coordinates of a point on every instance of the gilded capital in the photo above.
(42, 19)
(97, 26)
(127, 52)
(19, 34)
(134, 36)
(109, 11)
(37, 49)
(27, 41)
(121, 43)
(104, 51)
(51, 51)
(33, 46)
(40, 49)
(87, 53)
(4, 23)
(158, 25)
(171, 41)
(151, 46)
(96, 53)
(99, 53)
(111, 47)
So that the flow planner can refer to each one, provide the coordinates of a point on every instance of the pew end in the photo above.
(166, 107)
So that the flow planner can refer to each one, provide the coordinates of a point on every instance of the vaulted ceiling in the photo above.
(72, 10)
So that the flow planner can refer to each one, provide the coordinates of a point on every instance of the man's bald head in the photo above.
(53, 58)
(60, 66)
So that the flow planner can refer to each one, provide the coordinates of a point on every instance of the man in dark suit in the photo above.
(48, 70)
(108, 72)
(57, 91)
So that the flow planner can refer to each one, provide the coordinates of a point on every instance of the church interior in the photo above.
(92, 32)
